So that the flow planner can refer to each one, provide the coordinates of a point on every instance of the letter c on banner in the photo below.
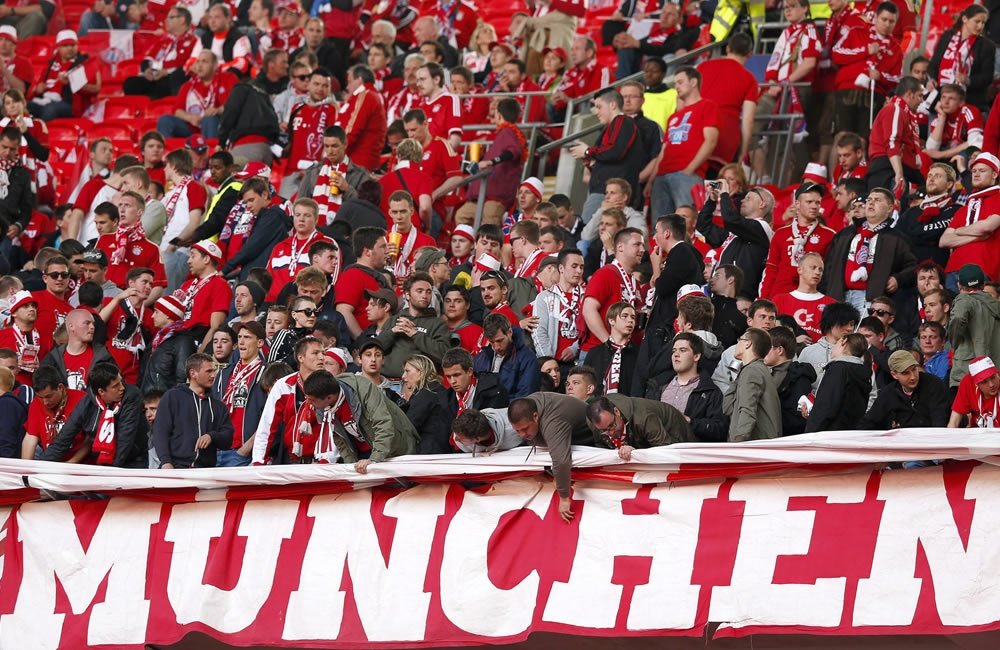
(469, 598)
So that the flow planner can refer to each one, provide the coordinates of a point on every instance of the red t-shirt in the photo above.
(78, 368)
(440, 163)
(981, 205)
(805, 308)
(52, 312)
(350, 290)
(214, 296)
(126, 353)
(307, 128)
(143, 254)
(411, 179)
(728, 84)
(605, 286)
(45, 425)
(444, 114)
(9, 340)
(685, 135)
(982, 410)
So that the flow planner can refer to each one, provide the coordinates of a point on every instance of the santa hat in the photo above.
(535, 185)
(20, 299)
(466, 231)
(816, 173)
(288, 5)
(67, 37)
(170, 306)
(558, 51)
(337, 354)
(487, 262)
(8, 32)
(988, 159)
(210, 248)
(689, 290)
(981, 369)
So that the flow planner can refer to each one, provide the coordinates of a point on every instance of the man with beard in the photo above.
(417, 330)
(253, 229)
(128, 320)
(924, 224)
(307, 127)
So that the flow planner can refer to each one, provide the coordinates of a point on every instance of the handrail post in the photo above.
(531, 152)
(481, 203)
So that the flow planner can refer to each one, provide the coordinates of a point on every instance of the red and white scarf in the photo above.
(931, 207)
(242, 376)
(126, 236)
(299, 249)
(465, 398)
(187, 299)
(569, 311)
(401, 268)
(528, 267)
(630, 288)
(175, 196)
(327, 195)
(957, 59)
(614, 372)
(799, 240)
(860, 259)
(104, 437)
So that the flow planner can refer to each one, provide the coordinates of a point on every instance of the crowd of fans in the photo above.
(303, 280)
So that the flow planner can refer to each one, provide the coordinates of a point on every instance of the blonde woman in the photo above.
(425, 405)
(477, 57)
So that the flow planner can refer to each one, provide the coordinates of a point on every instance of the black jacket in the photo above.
(893, 258)
(248, 111)
(428, 411)
(929, 406)
(924, 237)
(599, 359)
(842, 397)
(617, 154)
(177, 428)
(232, 37)
(255, 398)
(269, 230)
(794, 380)
(748, 250)
(656, 351)
(490, 394)
(131, 447)
(13, 413)
(592, 260)
(684, 265)
(729, 322)
(358, 213)
(684, 39)
(981, 74)
(228, 195)
(16, 205)
(704, 406)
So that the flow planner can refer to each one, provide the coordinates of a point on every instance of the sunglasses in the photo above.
(880, 312)
(58, 275)
(301, 77)
(308, 312)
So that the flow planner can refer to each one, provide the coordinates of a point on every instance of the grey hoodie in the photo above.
(506, 437)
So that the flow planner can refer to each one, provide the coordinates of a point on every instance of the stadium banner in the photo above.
(854, 551)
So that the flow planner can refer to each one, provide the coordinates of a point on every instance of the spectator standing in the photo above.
(191, 425)
(894, 146)
(18, 200)
(308, 123)
(425, 405)
(935, 359)
(745, 236)
(733, 88)
(924, 224)
(334, 179)
(130, 323)
(615, 359)
(689, 141)
(559, 310)
(956, 127)
(185, 204)
(792, 242)
(690, 390)
(794, 60)
(806, 303)
(751, 401)
(293, 253)
(13, 415)
(975, 228)
(23, 337)
(965, 55)
(793, 379)
(611, 284)
(869, 259)
(974, 325)
(616, 154)
(128, 247)
(363, 118)
(506, 156)
(52, 302)
(404, 238)
(506, 355)
(371, 248)
(914, 399)
(77, 358)
(842, 397)
(416, 330)
(237, 388)
(47, 414)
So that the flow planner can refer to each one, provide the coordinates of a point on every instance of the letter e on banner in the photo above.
(670, 537)
(118, 551)
(917, 512)
(770, 530)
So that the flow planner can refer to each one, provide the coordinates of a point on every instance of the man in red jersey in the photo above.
(371, 247)
(806, 303)
(79, 222)
(307, 124)
(790, 243)
(128, 319)
(16, 72)
(957, 127)
(843, 18)
(851, 161)
(128, 247)
(441, 161)
(894, 145)
(456, 315)
(48, 413)
(163, 62)
(975, 229)
(77, 358)
(583, 77)
(443, 110)
(515, 79)
(293, 253)
(198, 108)
(406, 98)
(734, 89)
(53, 300)
(613, 283)
(404, 239)
(362, 116)
(22, 336)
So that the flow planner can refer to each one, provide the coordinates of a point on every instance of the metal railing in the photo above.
(482, 175)
(549, 146)
(779, 137)
(769, 33)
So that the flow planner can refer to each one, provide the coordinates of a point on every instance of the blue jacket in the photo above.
(13, 413)
(519, 371)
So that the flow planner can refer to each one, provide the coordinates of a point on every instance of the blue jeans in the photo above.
(175, 264)
(857, 298)
(229, 458)
(174, 127)
(51, 111)
(628, 62)
(671, 191)
(590, 206)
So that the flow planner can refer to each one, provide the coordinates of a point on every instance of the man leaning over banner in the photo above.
(557, 422)
(629, 423)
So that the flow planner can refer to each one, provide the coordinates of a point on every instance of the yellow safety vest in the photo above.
(236, 185)
(728, 13)
(660, 106)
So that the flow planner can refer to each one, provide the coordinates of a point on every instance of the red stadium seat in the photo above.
(37, 47)
(119, 131)
(159, 107)
(121, 108)
(63, 135)
(73, 13)
(141, 41)
(173, 144)
(110, 88)
(125, 69)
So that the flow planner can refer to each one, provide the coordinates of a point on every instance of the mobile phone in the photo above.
(713, 185)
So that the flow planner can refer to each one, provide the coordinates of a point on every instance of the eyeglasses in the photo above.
(308, 312)
(880, 312)
(614, 423)
(301, 77)
(58, 275)
(514, 239)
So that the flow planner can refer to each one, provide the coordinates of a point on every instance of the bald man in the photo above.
(79, 355)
